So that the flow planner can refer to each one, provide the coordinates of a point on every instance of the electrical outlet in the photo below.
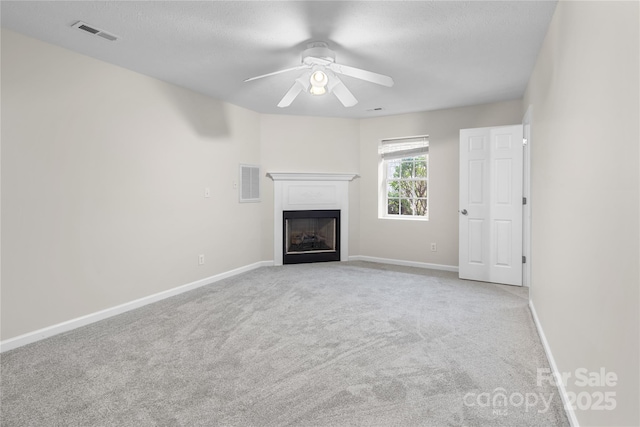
(201, 259)
(207, 192)
(434, 248)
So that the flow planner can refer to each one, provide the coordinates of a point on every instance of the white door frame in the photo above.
(526, 192)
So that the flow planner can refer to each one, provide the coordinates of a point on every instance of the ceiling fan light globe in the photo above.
(317, 90)
(319, 76)
(319, 79)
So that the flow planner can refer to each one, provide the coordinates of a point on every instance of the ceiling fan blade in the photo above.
(369, 76)
(291, 94)
(301, 83)
(299, 67)
(341, 92)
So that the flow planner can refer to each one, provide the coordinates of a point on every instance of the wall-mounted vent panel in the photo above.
(95, 31)
(249, 183)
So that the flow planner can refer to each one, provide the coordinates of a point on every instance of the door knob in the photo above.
(463, 212)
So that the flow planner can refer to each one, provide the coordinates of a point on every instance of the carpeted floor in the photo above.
(327, 344)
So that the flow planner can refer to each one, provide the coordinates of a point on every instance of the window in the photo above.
(404, 177)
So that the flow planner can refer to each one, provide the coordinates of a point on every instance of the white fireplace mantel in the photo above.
(310, 191)
(291, 176)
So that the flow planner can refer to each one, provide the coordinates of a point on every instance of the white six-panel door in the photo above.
(490, 217)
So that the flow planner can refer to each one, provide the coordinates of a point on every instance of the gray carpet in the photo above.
(328, 344)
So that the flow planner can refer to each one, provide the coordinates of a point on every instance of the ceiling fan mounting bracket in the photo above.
(317, 44)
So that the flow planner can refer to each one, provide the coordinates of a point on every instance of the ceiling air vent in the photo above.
(95, 31)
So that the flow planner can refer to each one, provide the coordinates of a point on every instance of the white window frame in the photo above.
(394, 149)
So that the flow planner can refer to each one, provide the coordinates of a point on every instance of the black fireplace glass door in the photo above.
(311, 236)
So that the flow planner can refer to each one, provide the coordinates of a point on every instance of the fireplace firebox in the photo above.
(311, 236)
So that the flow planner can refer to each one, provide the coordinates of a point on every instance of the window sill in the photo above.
(405, 218)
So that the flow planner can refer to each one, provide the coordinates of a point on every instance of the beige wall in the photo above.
(104, 170)
(585, 195)
(410, 240)
(308, 144)
(103, 177)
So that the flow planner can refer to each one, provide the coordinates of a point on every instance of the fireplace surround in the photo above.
(310, 192)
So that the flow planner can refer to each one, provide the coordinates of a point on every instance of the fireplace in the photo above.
(315, 192)
(310, 236)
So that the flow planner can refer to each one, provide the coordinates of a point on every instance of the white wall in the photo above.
(585, 197)
(410, 240)
(308, 144)
(103, 177)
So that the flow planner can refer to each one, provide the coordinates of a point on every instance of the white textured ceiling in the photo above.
(441, 54)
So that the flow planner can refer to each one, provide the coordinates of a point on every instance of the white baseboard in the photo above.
(404, 263)
(554, 369)
(49, 331)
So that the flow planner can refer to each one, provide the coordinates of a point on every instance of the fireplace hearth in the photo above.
(311, 236)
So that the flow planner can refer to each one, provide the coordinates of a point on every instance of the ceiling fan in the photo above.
(322, 76)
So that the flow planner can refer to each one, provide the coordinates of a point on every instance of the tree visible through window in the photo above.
(407, 186)
(404, 171)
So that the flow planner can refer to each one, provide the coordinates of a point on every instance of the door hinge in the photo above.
(524, 259)
(524, 141)
(524, 200)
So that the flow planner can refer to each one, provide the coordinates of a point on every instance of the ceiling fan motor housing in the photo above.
(318, 50)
